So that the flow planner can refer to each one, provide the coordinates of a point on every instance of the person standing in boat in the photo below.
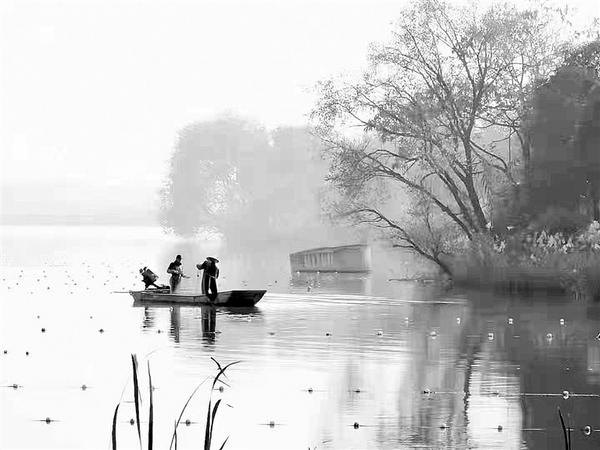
(176, 273)
(209, 276)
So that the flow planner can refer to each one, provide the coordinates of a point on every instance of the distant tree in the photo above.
(208, 179)
(231, 176)
(447, 77)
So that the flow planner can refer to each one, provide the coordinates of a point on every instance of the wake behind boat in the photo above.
(225, 298)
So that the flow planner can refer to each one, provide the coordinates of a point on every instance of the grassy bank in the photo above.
(533, 262)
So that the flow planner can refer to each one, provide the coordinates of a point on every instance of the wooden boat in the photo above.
(225, 298)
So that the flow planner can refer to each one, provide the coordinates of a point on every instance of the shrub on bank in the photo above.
(536, 261)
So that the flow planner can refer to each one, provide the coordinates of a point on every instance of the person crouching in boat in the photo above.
(176, 272)
(149, 278)
(209, 277)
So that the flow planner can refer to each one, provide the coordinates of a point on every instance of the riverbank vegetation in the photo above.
(472, 140)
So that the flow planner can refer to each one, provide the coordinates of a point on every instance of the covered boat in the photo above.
(225, 298)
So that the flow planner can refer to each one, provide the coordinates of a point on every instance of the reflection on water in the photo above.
(411, 365)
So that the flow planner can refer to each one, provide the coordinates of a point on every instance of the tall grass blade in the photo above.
(114, 428)
(174, 438)
(212, 420)
(223, 444)
(207, 430)
(136, 397)
(150, 412)
(565, 433)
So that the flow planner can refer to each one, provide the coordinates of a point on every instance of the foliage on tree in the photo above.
(565, 158)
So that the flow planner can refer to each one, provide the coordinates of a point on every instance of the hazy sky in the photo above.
(93, 92)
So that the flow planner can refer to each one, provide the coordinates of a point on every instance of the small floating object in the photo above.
(131, 421)
(159, 331)
(443, 426)
(433, 334)
(458, 320)
(356, 425)
(565, 394)
(379, 333)
(328, 334)
(5, 352)
(309, 390)
(510, 320)
(43, 329)
(101, 330)
(83, 387)
(308, 289)
(272, 333)
(561, 321)
(221, 388)
(587, 430)
(271, 424)
(427, 391)
(188, 422)
(490, 336)
(48, 420)
(357, 391)
(15, 386)
(26, 353)
(499, 427)
(549, 336)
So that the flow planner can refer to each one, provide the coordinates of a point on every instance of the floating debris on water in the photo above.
(510, 321)
(328, 334)
(271, 424)
(43, 330)
(101, 330)
(221, 388)
(309, 390)
(490, 336)
(549, 336)
(458, 320)
(188, 422)
(379, 333)
(565, 394)
(356, 425)
(443, 426)
(26, 353)
(48, 420)
(83, 387)
(131, 421)
(500, 428)
(562, 321)
(587, 430)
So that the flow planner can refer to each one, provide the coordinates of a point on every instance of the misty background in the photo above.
(94, 94)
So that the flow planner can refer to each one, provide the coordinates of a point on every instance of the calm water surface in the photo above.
(414, 366)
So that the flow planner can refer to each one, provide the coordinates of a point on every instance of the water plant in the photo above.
(566, 431)
(210, 417)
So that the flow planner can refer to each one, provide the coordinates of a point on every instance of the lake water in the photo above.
(412, 365)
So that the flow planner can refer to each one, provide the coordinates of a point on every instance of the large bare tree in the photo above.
(449, 77)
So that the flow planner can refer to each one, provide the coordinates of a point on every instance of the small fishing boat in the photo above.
(225, 298)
